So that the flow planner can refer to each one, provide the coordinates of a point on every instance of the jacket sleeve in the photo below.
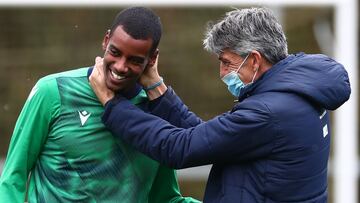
(170, 108)
(29, 135)
(243, 134)
(166, 189)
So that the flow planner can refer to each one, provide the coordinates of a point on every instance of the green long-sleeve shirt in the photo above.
(60, 140)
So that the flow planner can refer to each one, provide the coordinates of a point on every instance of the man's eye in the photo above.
(225, 63)
(114, 52)
(136, 63)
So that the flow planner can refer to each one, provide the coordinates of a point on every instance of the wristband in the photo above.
(153, 86)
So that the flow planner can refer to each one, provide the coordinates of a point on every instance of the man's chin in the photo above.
(120, 89)
(113, 88)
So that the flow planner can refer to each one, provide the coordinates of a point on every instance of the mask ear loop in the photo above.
(255, 75)
(242, 63)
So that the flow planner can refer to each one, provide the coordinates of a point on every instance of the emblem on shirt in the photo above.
(84, 115)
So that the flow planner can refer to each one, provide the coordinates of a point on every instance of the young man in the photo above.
(60, 141)
(273, 146)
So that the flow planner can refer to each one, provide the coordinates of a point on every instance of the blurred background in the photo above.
(36, 41)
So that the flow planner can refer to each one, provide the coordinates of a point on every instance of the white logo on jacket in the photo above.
(325, 128)
(84, 115)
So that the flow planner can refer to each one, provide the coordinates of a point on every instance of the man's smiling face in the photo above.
(125, 59)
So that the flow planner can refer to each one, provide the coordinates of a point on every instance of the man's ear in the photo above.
(257, 60)
(153, 58)
(106, 40)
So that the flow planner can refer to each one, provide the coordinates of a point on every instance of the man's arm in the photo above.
(29, 135)
(170, 108)
(166, 189)
(227, 138)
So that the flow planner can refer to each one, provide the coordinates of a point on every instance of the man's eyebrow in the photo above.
(220, 55)
(221, 58)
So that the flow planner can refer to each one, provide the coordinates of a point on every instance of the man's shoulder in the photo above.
(79, 72)
(50, 83)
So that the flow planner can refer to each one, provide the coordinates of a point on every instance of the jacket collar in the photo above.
(251, 89)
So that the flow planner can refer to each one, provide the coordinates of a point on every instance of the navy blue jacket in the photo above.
(273, 146)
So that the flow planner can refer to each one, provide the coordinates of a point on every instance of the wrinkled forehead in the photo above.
(228, 54)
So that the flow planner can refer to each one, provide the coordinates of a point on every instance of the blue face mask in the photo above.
(233, 81)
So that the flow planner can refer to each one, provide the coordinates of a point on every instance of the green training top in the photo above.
(60, 140)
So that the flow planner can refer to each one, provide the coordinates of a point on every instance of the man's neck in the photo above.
(131, 92)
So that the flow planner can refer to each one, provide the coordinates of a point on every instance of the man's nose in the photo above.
(120, 65)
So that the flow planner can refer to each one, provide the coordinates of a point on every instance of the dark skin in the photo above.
(125, 59)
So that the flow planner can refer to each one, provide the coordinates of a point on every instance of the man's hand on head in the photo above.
(150, 74)
(151, 81)
(97, 82)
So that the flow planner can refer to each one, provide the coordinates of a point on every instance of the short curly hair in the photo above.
(139, 23)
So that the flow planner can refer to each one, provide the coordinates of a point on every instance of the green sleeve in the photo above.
(29, 135)
(166, 189)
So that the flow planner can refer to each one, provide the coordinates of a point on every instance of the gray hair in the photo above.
(244, 30)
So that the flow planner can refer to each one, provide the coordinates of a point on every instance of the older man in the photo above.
(273, 145)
